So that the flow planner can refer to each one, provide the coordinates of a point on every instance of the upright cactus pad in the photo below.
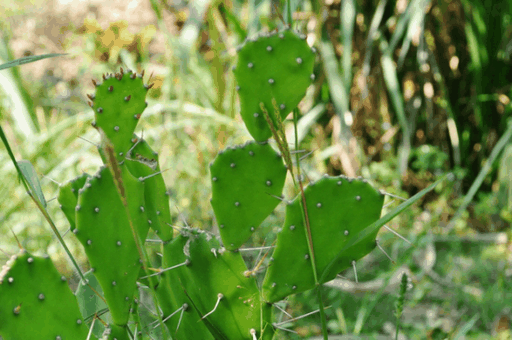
(338, 209)
(118, 104)
(228, 302)
(143, 164)
(103, 228)
(245, 182)
(278, 66)
(68, 196)
(36, 302)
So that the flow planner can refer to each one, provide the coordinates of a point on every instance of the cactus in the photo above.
(203, 287)
(246, 182)
(213, 281)
(142, 162)
(274, 70)
(337, 209)
(37, 302)
(118, 104)
(103, 228)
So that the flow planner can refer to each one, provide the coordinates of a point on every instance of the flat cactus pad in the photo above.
(36, 302)
(276, 67)
(245, 183)
(338, 209)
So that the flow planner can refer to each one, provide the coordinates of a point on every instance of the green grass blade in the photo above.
(392, 85)
(383, 220)
(30, 59)
(30, 175)
(347, 18)
(372, 36)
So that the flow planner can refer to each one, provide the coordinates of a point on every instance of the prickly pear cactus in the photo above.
(213, 280)
(142, 162)
(103, 227)
(36, 302)
(118, 104)
(277, 67)
(246, 183)
(337, 209)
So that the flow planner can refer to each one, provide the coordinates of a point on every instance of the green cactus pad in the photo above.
(172, 297)
(118, 104)
(212, 271)
(245, 181)
(103, 228)
(89, 302)
(36, 302)
(68, 196)
(142, 162)
(278, 66)
(338, 209)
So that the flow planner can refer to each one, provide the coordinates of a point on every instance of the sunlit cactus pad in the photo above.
(278, 66)
(338, 209)
(118, 104)
(103, 228)
(36, 302)
(246, 181)
(68, 196)
(214, 282)
(143, 164)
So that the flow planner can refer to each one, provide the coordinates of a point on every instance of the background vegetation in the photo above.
(405, 91)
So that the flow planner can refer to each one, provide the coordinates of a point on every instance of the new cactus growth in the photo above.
(277, 67)
(36, 302)
(118, 104)
(246, 183)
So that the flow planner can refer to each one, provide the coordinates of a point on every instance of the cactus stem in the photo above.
(397, 234)
(382, 249)
(219, 297)
(355, 270)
